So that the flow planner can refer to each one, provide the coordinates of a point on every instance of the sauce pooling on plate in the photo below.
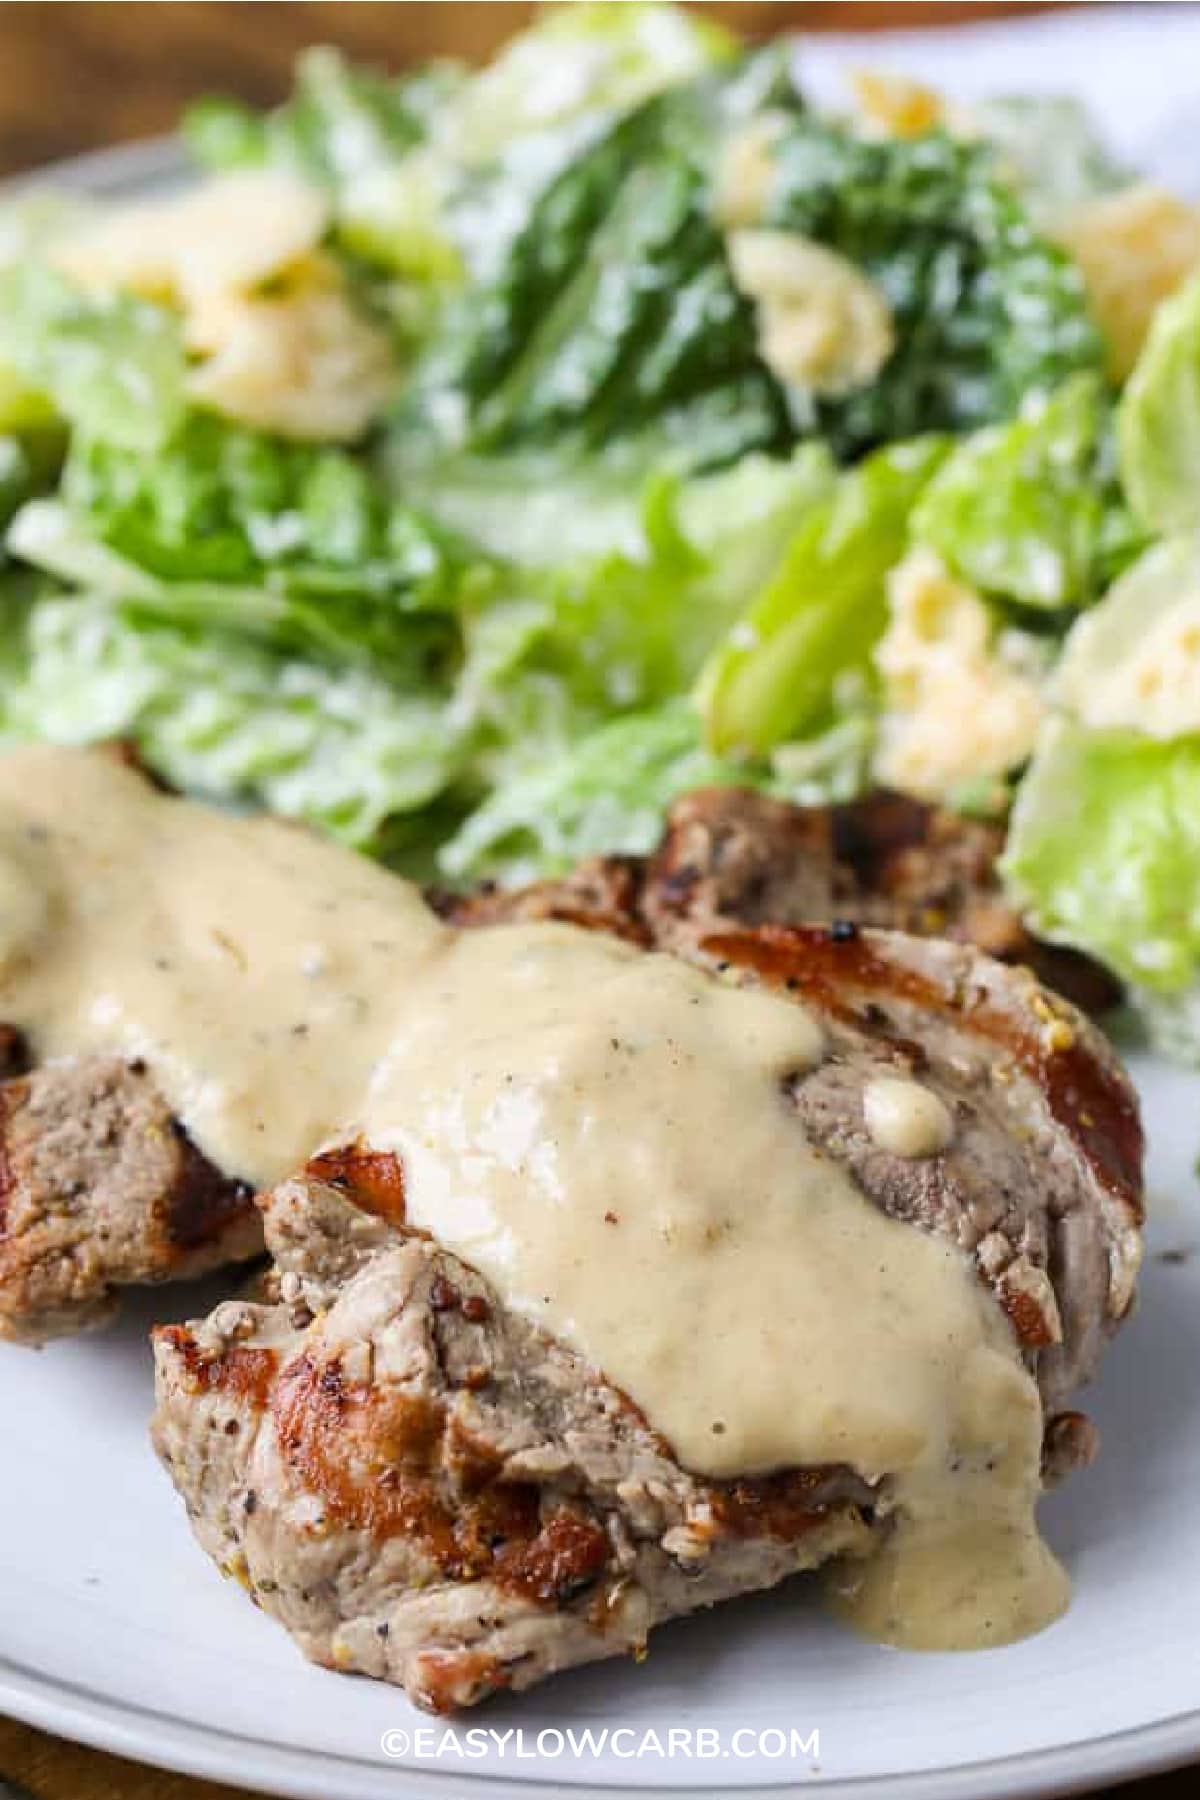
(605, 1134)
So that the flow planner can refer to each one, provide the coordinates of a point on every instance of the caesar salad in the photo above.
(470, 462)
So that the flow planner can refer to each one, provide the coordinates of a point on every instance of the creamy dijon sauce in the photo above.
(603, 1133)
(905, 1118)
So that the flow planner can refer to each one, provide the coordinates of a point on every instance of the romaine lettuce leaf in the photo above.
(629, 627)
(298, 545)
(1104, 851)
(426, 168)
(1134, 660)
(342, 120)
(108, 364)
(1030, 511)
(613, 311)
(614, 307)
(214, 714)
(818, 617)
(986, 311)
(608, 792)
(603, 56)
(1159, 419)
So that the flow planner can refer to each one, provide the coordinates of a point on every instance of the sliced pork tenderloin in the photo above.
(421, 1485)
(730, 853)
(101, 1189)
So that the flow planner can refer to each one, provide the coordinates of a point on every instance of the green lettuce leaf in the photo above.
(1159, 419)
(1030, 511)
(628, 627)
(1104, 851)
(612, 313)
(774, 678)
(598, 57)
(613, 309)
(345, 750)
(342, 120)
(108, 364)
(242, 531)
(1134, 660)
(608, 792)
(986, 311)
(426, 168)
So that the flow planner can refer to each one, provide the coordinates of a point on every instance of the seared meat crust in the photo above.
(422, 1486)
(101, 1188)
(124, 1198)
(729, 853)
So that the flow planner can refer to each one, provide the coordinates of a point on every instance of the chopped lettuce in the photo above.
(614, 310)
(1135, 660)
(1104, 844)
(774, 678)
(1104, 851)
(629, 626)
(1030, 511)
(1159, 419)
(985, 310)
(108, 364)
(243, 531)
(429, 168)
(607, 793)
(341, 121)
(597, 57)
(346, 750)
(345, 120)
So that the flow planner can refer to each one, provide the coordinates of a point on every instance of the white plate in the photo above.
(114, 1629)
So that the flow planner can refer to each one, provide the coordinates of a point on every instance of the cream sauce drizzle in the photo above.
(905, 1118)
(604, 1134)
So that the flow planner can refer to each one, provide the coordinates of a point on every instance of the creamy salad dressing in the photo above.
(604, 1134)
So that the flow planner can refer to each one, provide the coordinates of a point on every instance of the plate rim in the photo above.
(168, 1741)
(74, 1711)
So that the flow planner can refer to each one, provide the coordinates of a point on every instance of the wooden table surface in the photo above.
(74, 77)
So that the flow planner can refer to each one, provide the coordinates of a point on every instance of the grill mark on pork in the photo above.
(15, 1058)
(376, 1465)
(375, 1460)
(740, 857)
(445, 1680)
(568, 1553)
(783, 1506)
(601, 894)
(1035, 1328)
